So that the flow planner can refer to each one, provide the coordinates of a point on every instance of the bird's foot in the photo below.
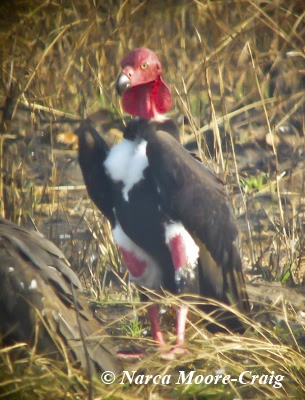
(175, 351)
(133, 353)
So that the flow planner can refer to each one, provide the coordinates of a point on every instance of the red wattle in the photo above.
(147, 100)
(135, 266)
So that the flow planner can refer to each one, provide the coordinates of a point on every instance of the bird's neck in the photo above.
(149, 101)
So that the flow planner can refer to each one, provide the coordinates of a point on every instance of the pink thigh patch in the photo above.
(135, 266)
(177, 248)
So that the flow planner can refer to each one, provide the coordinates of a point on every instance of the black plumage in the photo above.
(93, 151)
(189, 192)
(177, 187)
(148, 231)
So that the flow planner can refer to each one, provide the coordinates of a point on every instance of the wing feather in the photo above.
(36, 298)
(191, 194)
(92, 152)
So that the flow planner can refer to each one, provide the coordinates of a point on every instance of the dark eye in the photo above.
(144, 65)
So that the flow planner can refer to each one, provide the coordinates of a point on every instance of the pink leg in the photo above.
(153, 313)
(157, 335)
(180, 325)
(180, 330)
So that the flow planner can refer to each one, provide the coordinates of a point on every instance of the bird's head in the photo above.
(140, 84)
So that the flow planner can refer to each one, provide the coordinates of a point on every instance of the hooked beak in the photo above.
(122, 83)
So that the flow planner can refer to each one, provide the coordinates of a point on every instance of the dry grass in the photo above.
(236, 70)
(262, 351)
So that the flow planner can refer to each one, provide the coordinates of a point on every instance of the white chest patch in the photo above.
(126, 163)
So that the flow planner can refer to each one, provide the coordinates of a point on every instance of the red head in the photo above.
(144, 92)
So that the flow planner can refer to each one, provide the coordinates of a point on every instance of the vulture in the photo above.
(170, 214)
(42, 304)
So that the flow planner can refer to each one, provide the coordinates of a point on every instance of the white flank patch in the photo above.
(126, 162)
(191, 249)
(33, 284)
(11, 269)
(151, 277)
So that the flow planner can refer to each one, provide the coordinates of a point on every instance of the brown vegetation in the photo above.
(237, 72)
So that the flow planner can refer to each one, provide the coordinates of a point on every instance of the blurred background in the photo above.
(236, 70)
(237, 73)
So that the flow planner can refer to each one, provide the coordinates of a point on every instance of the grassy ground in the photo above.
(237, 72)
